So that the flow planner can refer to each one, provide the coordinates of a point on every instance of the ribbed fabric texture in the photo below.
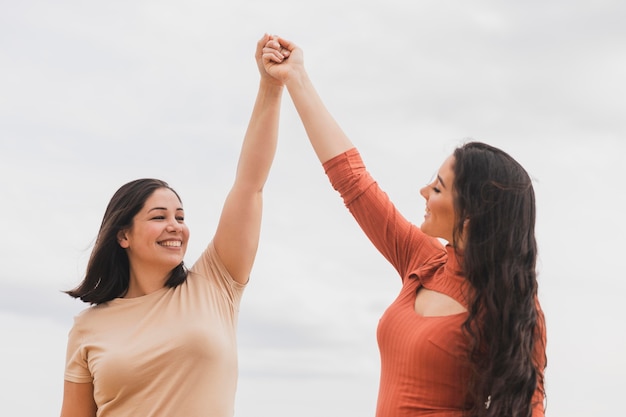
(424, 370)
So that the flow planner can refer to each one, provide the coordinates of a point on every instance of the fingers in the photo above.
(282, 45)
(273, 55)
(261, 42)
(276, 49)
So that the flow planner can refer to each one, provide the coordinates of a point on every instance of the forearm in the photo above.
(325, 134)
(259, 145)
(237, 235)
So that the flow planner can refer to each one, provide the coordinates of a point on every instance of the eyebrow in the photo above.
(441, 181)
(163, 208)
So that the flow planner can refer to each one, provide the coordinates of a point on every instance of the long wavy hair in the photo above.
(108, 270)
(495, 207)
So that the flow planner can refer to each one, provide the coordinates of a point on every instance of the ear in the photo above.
(122, 239)
(466, 224)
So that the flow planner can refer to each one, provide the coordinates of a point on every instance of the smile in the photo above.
(171, 243)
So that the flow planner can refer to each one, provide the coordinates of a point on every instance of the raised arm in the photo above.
(237, 236)
(285, 62)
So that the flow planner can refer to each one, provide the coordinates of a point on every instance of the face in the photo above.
(439, 219)
(157, 240)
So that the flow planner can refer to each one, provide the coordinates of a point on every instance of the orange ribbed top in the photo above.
(424, 370)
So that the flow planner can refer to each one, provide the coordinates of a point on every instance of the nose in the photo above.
(174, 226)
(424, 192)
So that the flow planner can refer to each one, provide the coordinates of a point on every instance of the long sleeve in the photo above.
(402, 243)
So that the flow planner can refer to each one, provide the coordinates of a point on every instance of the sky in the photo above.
(95, 94)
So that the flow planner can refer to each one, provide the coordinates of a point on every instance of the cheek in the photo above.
(444, 208)
(438, 204)
(451, 214)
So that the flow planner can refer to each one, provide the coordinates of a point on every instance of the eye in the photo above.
(180, 218)
(434, 185)
(158, 218)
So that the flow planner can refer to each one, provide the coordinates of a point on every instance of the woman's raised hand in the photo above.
(281, 58)
(284, 61)
(259, 56)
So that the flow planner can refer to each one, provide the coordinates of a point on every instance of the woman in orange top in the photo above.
(466, 335)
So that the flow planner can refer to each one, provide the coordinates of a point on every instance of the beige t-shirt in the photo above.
(169, 353)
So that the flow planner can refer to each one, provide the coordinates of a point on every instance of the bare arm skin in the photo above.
(78, 400)
(237, 237)
(284, 61)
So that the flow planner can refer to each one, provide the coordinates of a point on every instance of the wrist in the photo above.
(270, 86)
(297, 79)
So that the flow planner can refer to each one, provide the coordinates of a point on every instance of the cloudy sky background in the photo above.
(94, 94)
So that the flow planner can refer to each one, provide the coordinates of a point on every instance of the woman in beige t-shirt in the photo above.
(159, 340)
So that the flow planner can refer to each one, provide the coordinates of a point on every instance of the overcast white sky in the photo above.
(94, 94)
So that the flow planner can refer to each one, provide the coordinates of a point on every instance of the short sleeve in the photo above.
(76, 367)
(210, 267)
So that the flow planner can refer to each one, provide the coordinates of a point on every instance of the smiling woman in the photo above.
(466, 335)
(155, 243)
(117, 268)
(160, 339)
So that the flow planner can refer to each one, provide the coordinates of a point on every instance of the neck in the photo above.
(145, 282)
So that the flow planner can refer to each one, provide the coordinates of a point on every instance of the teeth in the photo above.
(171, 243)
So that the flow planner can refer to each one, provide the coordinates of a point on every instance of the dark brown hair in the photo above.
(108, 270)
(494, 194)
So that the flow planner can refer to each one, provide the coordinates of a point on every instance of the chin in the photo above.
(424, 229)
(173, 264)
(427, 232)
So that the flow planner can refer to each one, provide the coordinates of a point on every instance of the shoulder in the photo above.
(425, 252)
(210, 268)
(85, 318)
